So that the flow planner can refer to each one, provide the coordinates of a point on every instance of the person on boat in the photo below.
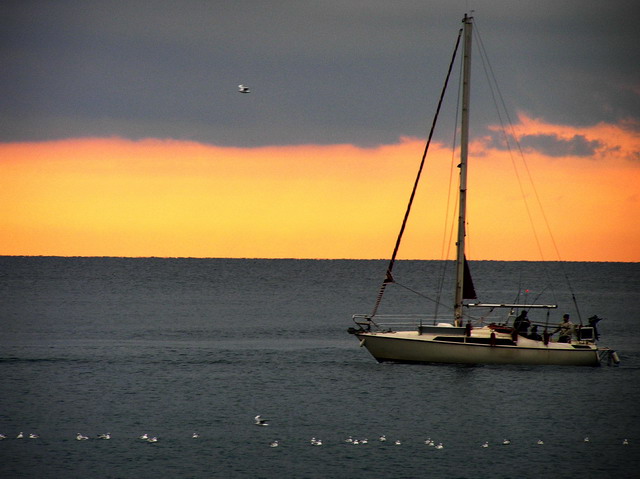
(566, 328)
(534, 333)
(522, 323)
(593, 321)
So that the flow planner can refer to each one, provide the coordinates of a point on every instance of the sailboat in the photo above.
(460, 339)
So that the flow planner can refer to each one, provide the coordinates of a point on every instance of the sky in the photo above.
(123, 133)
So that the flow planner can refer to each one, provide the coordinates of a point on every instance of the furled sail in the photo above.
(468, 291)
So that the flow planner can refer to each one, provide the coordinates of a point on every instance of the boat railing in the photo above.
(395, 321)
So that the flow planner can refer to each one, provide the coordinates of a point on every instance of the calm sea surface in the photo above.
(170, 347)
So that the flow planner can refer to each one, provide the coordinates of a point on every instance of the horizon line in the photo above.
(306, 259)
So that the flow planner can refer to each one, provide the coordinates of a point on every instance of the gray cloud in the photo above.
(321, 72)
(552, 145)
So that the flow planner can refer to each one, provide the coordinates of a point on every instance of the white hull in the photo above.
(412, 347)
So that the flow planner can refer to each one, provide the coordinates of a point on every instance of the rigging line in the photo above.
(493, 84)
(493, 88)
(450, 243)
(422, 295)
(535, 300)
(451, 170)
(388, 275)
(446, 243)
(517, 299)
(530, 177)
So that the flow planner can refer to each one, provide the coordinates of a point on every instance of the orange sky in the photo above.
(115, 197)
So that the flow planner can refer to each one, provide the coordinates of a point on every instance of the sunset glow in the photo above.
(116, 197)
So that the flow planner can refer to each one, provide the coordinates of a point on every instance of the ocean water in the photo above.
(170, 347)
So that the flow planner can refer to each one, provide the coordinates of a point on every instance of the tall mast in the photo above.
(464, 143)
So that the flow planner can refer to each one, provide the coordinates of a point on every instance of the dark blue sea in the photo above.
(170, 347)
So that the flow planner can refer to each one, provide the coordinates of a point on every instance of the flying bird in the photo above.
(259, 421)
(243, 89)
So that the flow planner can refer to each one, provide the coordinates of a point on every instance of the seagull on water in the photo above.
(349, 440)
(506, 442)
(34, 436)
(274, 444)
(625, 442)
(586, 439)
(540, 442)
(195, 435)
(106, 436)
(20, 435)
(486, 444)
(439, 446)
(144, 437)
(152, 439)
(398, 442)
(2, 436)
(243, 89)
(316, 442)
(81, 437)
(260, 422)
(382, 438)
